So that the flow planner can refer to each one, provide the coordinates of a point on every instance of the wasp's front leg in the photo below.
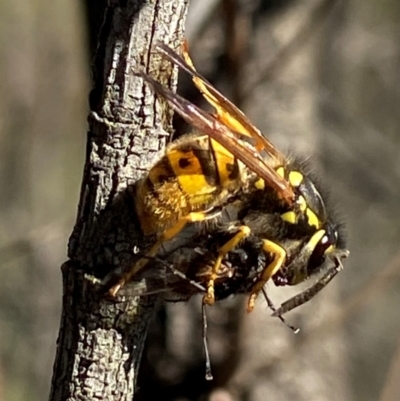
(243, 232)
(279, 256)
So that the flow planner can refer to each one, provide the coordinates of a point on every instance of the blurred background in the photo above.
(321, 79)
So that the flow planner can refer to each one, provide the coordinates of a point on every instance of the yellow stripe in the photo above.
(295, 178)
(290, 217)
(315, 239)
(190, 176)
(260, 184)
(329, 250)
(281, 172)
(312, 218)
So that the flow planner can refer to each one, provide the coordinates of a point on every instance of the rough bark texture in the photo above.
(100, 342)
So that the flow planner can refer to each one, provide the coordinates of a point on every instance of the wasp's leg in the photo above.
(167, 235)
(243, 232)
(279, 257)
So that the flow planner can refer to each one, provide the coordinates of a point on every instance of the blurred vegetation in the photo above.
(43, 108)
(320, 78)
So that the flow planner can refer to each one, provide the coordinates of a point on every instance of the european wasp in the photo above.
(227, 162)
(252, 214)
(258, 216)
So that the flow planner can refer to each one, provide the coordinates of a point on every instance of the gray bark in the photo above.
(100, 341)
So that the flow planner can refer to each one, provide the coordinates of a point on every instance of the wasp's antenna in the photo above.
(309, 293)
(209, 375)
(280, 317)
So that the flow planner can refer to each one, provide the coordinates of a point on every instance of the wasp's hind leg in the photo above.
(167, 235)
(243, 232)
(279, 255)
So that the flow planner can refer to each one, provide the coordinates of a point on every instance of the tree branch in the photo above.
(100, 342)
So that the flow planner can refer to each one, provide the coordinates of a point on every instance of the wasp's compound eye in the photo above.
(325, 245)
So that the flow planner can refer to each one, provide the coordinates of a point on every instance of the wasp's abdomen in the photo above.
(195, 174)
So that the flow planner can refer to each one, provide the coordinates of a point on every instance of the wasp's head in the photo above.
(319, 240)
(308, 258)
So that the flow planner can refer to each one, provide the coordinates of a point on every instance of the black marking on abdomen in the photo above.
(208, 166)
(184, 162)
(233, 170)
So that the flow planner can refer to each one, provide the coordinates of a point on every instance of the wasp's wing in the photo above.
(169, 293)
(167, 281)
(218, 131)
(227, 112)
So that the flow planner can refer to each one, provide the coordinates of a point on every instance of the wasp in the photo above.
(244, 196)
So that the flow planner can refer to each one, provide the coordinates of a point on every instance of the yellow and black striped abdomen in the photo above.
(195, 174)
